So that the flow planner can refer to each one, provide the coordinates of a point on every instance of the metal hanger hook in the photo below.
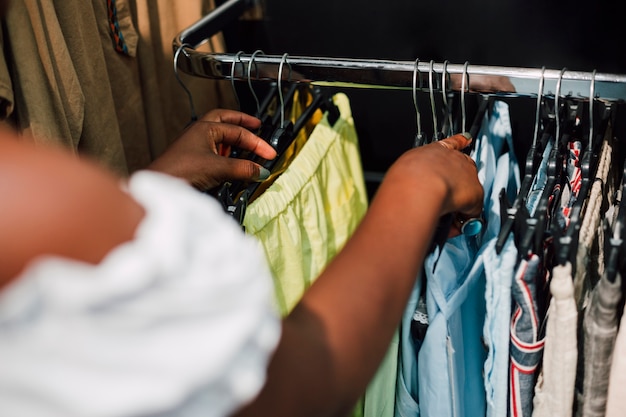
(252, 61)
(592, 93)
(283, 61)
(556, 103)
(444, 91)
(418, 118)
(539, 98)
(463, 112)
(232, 77)
(432, 100)
(192, 108)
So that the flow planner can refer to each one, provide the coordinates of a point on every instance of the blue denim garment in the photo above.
(443, 357)
(499, 271)
(497, 167)
(540, 180)
(526, 342)
(450, 360)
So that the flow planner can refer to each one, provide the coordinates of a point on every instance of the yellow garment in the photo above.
(310, 211)
(300, 101)
(62, 81)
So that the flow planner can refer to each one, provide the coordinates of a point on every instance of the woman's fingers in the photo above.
(457, 142)
(231, 135)
(232, 117)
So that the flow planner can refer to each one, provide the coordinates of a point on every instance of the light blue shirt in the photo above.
(450, 361)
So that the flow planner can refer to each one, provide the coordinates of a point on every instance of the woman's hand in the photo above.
(451, 174)
(200, 154)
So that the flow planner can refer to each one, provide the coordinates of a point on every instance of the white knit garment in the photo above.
(177, 322)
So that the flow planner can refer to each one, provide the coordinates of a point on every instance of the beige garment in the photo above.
(590, 265)
(616, 400)
(554, 390)
(6, 89)
(154, 97)
(49, 74)
(65, 83)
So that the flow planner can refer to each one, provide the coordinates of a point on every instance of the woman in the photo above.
(124, 299)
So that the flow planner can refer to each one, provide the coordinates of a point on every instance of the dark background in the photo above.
(526, 33)
(521, 33)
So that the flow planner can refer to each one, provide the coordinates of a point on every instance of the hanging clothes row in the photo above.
(473, 335)
(519, 315)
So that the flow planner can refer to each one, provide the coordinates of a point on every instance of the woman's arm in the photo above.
(54, 203)
(335, 338)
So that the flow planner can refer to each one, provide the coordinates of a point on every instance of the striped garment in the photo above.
(526, 343)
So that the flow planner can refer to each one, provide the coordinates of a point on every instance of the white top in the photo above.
(177, 322)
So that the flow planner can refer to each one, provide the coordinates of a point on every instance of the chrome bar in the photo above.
(365, 73)
(387, 73)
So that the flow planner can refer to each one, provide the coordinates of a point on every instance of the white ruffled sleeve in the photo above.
(178, 322)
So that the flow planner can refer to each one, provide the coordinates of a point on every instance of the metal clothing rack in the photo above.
(365, 73)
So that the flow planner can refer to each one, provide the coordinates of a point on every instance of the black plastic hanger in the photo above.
(567, 242)
(267, 124)
(274, 129)
(483, 107)
(511, 218)
(533, 160)
(533, 235)
(267, 121)
(321, 101)
(287, 132)
(236, 208)
(236, 196)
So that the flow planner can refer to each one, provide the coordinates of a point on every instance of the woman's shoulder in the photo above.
(54, 203)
